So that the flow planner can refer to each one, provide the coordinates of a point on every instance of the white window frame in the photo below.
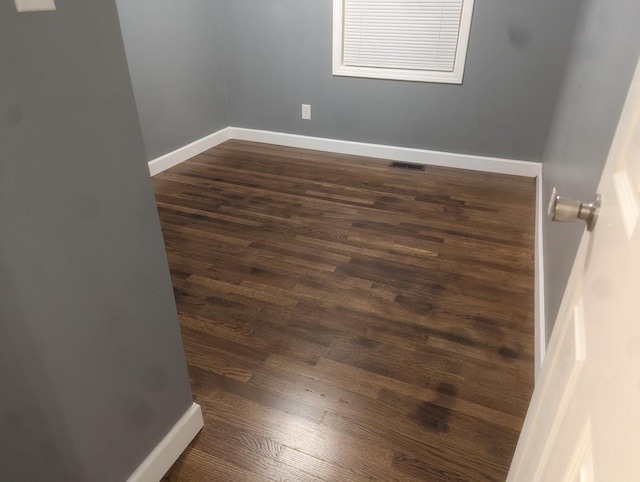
(454, 77)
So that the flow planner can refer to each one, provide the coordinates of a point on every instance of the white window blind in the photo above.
(402, 39)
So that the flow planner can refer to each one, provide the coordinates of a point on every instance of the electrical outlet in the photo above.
(306, 111)
(35, 5)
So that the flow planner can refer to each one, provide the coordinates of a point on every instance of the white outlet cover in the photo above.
(35, 5)
(306, 111)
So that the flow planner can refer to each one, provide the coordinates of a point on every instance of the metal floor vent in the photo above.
(407, 165)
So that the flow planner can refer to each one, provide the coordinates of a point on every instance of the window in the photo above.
(418, 40)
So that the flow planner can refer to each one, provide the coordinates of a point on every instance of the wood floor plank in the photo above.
(289, 430)
(347, 321)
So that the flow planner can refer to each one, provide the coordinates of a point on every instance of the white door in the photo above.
(583, 423)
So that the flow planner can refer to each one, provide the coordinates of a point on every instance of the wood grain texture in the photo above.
(347, 321)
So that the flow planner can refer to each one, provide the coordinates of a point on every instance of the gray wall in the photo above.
(278, 56)
(92, 369)
(174, 50)
(603, 58)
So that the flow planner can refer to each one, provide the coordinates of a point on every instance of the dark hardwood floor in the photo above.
(347, 321)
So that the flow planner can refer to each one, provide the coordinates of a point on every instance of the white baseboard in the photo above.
(540, 338)
(420, 156)
(184, 153)
(164, 455)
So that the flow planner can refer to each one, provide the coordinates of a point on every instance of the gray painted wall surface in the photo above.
(174, 50)
(92, 369)
(278, 56)
(603, 58)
